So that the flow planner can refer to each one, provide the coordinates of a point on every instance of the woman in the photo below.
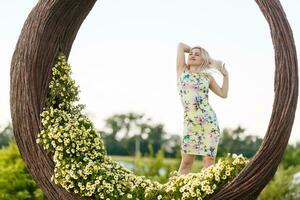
(201, 129)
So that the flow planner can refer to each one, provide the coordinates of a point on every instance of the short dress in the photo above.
(201, 132)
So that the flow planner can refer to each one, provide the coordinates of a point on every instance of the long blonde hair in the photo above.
(209, 62)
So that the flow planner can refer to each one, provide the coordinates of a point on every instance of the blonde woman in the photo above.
(201, 129)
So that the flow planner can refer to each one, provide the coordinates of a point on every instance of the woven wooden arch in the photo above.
(52, 26)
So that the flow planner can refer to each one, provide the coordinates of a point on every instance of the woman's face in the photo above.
(195, 58)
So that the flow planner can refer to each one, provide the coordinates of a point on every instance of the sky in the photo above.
(124, 59)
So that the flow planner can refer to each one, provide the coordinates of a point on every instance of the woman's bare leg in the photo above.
(207, 161)
(186, 163)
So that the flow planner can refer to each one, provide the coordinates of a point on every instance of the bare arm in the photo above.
(220, 91)
(181, 49)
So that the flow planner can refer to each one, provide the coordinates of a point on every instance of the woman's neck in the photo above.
(196, 69)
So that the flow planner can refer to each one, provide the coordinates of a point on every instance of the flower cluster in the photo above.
(81, 162)
(199, 185)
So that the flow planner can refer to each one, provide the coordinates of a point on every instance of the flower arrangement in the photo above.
(81, 162)
(199, 185)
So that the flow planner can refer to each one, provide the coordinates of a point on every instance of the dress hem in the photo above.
(191, 153)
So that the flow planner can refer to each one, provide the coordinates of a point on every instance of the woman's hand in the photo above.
(186, 47)
(223, 70)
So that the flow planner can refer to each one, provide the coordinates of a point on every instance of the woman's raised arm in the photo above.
(181, 49)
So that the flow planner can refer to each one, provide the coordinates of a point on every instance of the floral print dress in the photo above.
(201, 129)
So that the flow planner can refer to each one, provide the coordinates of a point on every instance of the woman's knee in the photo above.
(208, 159)
(187, 161)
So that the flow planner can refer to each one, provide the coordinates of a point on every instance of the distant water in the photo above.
(128, 165)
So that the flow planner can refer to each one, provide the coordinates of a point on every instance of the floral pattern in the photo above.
(201, 129)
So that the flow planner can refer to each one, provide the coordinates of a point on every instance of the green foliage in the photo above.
(15, 181)
(281, 187)
(291, 156)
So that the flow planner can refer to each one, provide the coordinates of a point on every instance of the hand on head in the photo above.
(223, 70)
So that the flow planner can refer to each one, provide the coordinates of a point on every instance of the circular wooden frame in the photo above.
(52, 26)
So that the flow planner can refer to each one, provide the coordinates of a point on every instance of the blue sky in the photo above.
(124, 58)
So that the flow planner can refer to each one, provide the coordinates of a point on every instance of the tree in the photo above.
(122, 132)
